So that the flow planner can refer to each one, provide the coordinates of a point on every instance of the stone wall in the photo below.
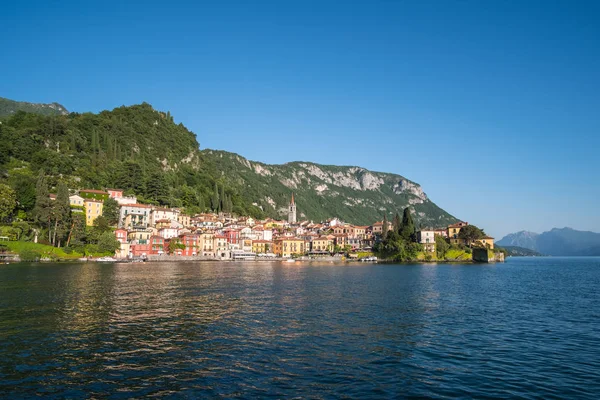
(487, 256)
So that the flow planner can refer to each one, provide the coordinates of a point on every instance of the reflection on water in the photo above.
(529, 328)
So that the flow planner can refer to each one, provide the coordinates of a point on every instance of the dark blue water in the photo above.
(528, 328)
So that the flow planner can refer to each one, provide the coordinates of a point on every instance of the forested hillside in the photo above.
(9, 107)
(145, 152)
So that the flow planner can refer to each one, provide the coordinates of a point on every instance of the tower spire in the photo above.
(292, 211)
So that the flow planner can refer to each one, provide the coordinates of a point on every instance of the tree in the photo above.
(77, 232)
(101, 225)
(215, 199)
(43, 205)
(223, 199)
(397, 224)
(157, 188)
(175, 244)
(407, 229)
(110, 211)
(108, 243)
(24, 187)
(470, 233)
(8, 201)
(441, 247)
(61, 213)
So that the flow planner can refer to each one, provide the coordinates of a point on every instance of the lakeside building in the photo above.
(93, 209)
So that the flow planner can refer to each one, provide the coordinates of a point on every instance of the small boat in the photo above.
(290, 260)
(106, 259)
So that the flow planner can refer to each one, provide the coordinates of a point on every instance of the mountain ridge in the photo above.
(9, 107)
(556, 242)
(312, 183)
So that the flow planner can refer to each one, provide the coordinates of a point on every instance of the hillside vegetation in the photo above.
(145, 152)
(9, 107)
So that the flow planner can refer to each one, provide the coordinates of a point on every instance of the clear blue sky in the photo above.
(492, 106)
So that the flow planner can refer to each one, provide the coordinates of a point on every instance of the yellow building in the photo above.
(285, 247)
(454, 230)
(487, 241)
(207, 242)
(261, 246)
(323, 243)
(185, 220)
(93, 209)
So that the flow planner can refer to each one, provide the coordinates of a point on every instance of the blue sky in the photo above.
(493, 107)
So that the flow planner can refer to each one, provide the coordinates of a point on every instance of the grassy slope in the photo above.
(47, 251)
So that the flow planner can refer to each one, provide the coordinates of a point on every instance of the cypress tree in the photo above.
(407, 230)
(43, 207)
(215, 199)
(397, 223)
(61, 213)
(223, 199)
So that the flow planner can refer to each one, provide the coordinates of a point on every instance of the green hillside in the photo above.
(145, 152)
(321, 191)
(9, 107)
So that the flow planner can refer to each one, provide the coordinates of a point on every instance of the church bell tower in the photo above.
(292, 211)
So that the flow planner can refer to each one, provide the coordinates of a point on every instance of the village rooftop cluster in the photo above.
(146, 231)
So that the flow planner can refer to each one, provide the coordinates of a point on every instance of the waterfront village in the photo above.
(146, 232)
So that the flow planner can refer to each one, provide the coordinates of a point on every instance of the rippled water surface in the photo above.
(527, 328)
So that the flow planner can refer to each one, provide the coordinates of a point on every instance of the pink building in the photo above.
(115, 193)
(121, 235)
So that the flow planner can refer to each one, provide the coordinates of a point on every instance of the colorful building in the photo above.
(285, 247)
(93, 209)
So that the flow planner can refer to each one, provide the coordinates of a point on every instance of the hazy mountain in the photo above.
(522, 239)
(556, 242)
(9, 107)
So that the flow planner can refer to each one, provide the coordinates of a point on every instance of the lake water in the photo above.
(528, 328)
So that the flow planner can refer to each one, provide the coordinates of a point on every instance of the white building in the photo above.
(159, 213)
(427, 238)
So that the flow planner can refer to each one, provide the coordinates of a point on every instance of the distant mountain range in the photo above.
(556, 242)
(9, 107)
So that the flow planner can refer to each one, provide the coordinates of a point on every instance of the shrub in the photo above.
(29, 255)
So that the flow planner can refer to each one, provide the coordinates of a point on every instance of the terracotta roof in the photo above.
(458, 225)
(93, 191)
(92, 201)
(487, 237)
(163, 209)
(137, 205)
